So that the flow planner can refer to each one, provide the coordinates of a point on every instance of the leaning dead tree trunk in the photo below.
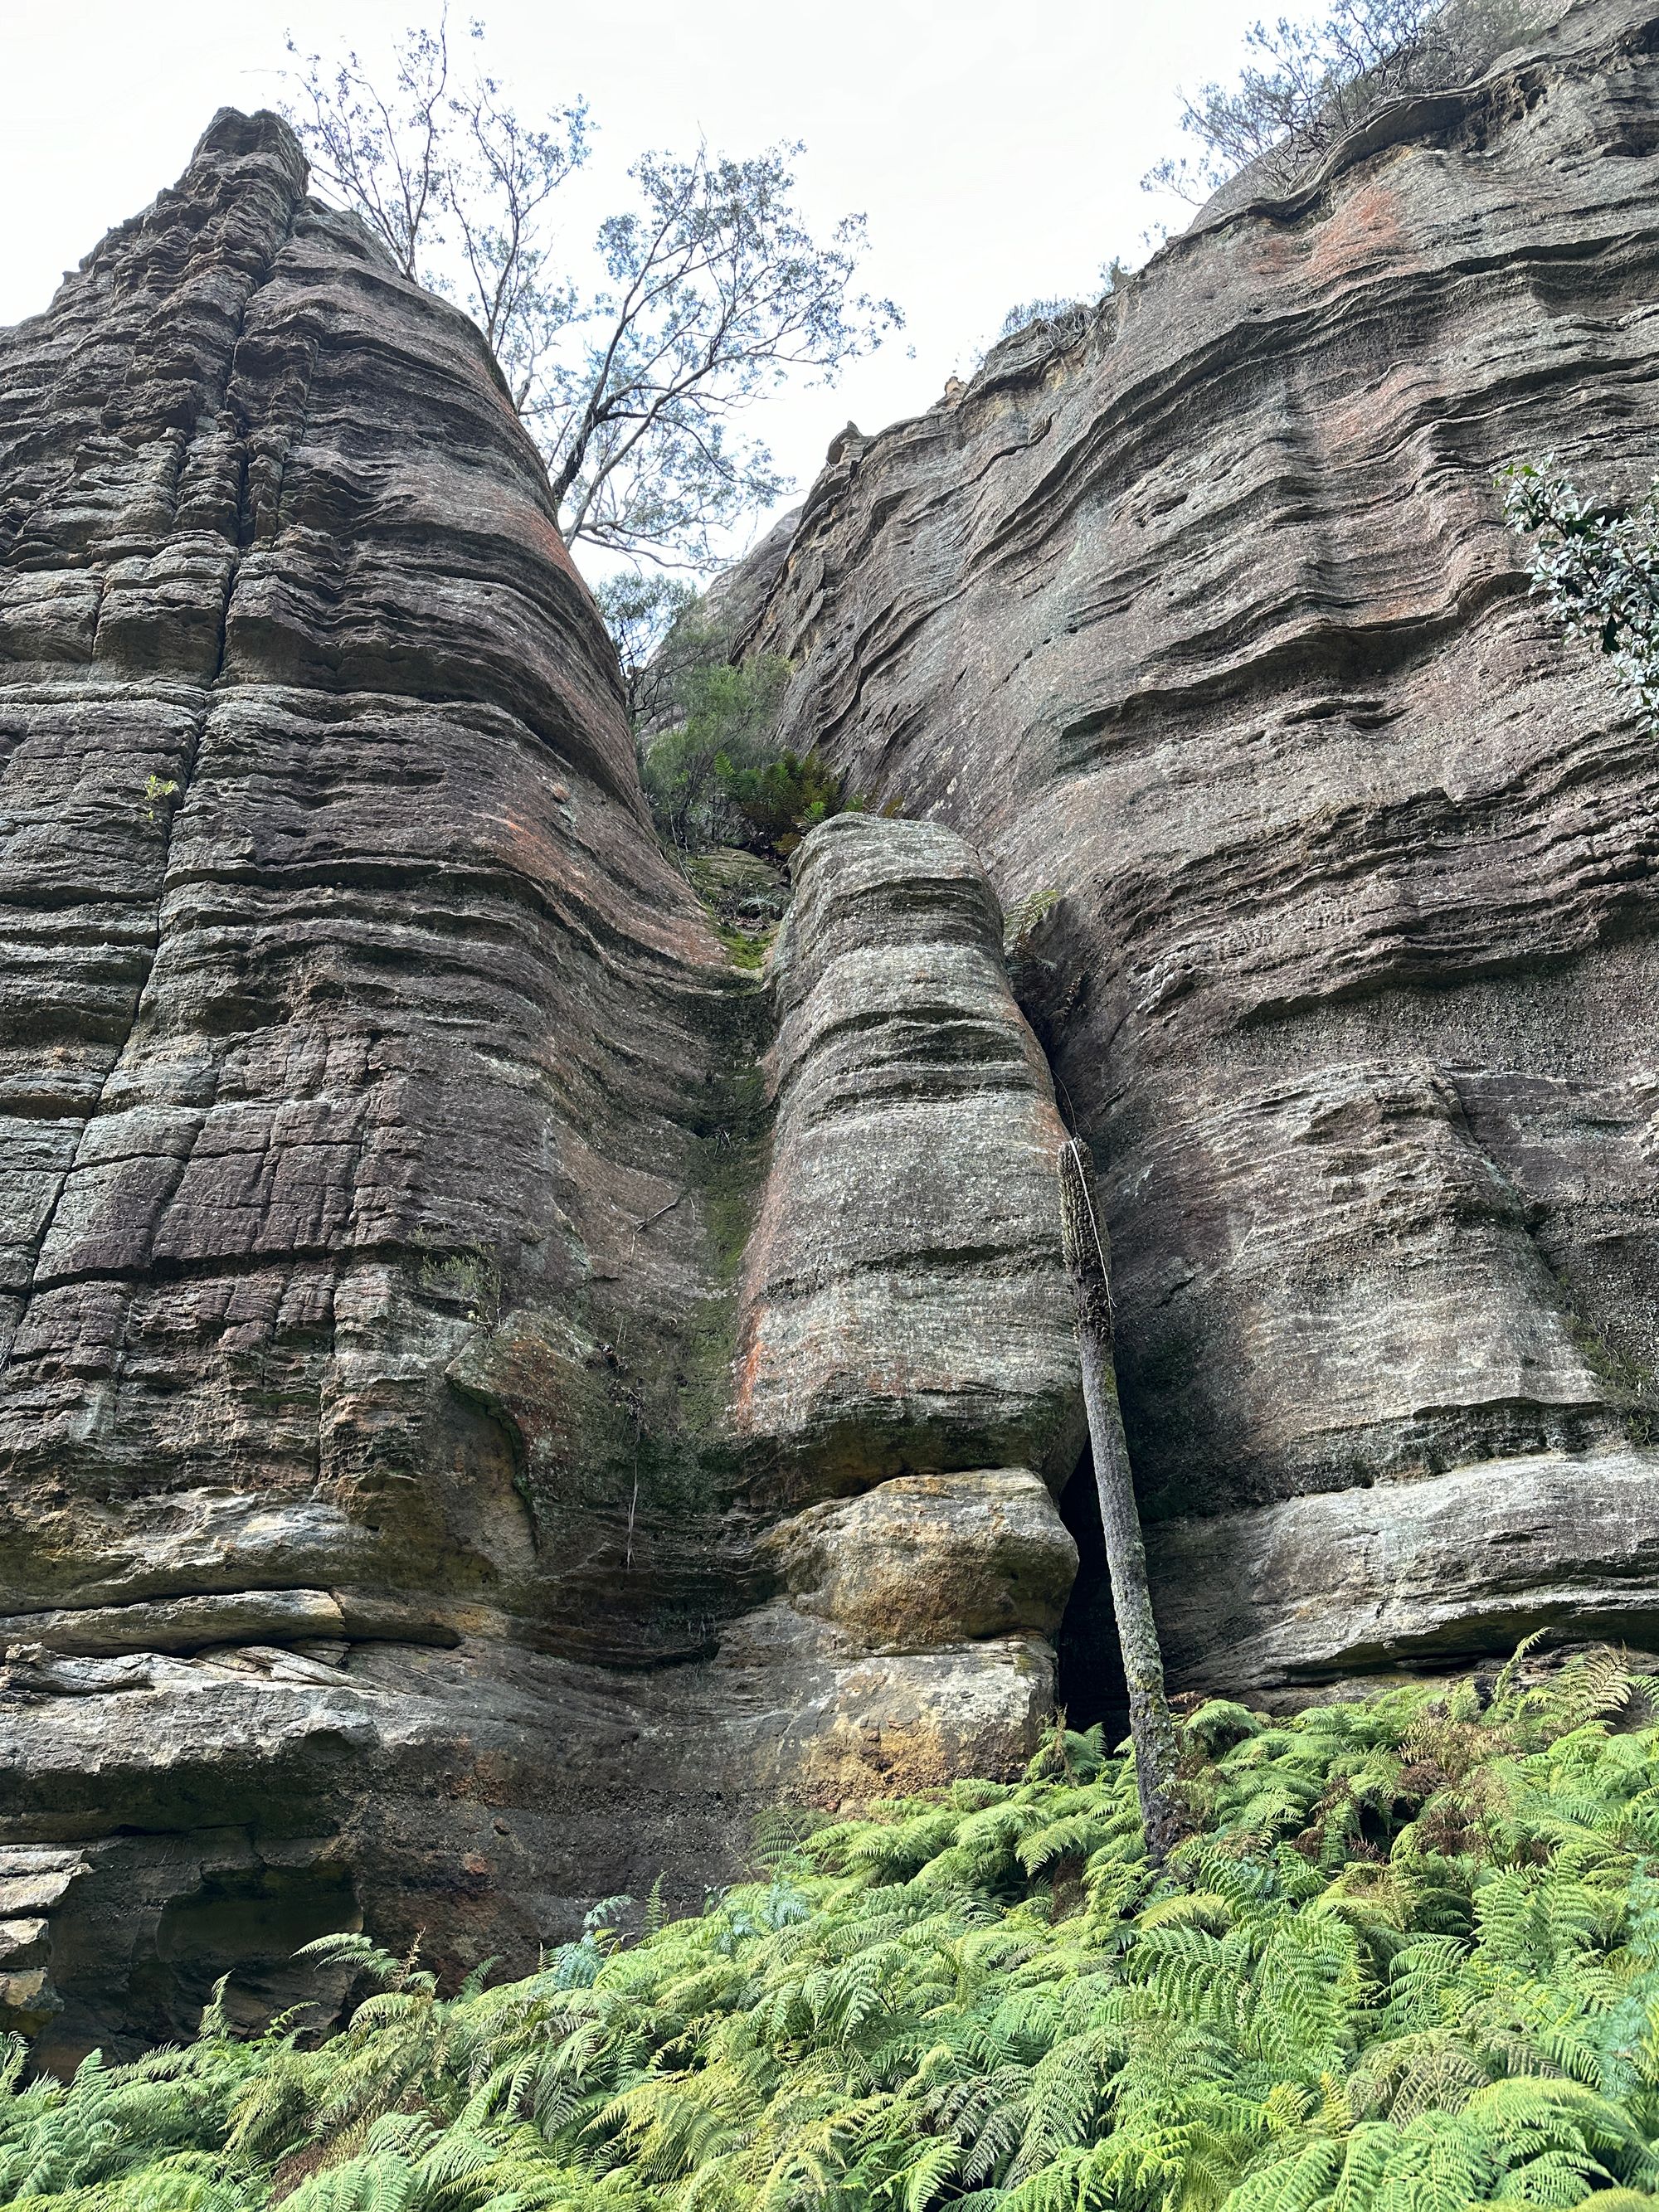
(1152, 1730)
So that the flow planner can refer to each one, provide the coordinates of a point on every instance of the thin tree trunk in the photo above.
(1163, 1809)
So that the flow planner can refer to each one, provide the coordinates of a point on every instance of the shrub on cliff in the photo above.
(780, 800)
(723, 719)
(1067, 316)
(710, 765)
(1308, 83)
(1597, 569)
(1410, 1963)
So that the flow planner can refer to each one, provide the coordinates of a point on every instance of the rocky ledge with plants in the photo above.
(1408, 1962)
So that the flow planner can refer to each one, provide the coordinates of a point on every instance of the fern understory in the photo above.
(1411, 1964)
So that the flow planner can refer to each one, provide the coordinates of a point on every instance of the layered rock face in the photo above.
(1206, 622)
(905, 1323)
(905, 1302)
(491, 1395)
(379, 1121)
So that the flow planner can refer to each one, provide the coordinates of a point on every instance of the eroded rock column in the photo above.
(907, 1362)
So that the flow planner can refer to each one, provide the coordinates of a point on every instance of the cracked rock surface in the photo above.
(1203, 626)
(379, 1117)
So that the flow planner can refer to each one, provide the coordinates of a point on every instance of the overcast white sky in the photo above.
(995, 145)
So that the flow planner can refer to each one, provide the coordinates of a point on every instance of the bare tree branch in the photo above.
(712, 291)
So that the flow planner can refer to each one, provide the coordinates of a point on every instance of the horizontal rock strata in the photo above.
(489, 1395)
(905, 1303)
(1202, 624)
(348, 1016)
(379, 1117)
(1423, 1573)
(904, 1332)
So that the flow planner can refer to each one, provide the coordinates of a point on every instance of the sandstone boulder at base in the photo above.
(927, 1559)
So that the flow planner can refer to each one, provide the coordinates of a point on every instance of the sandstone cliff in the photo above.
(1206, 622)
(380, 1124)
(491, 1395)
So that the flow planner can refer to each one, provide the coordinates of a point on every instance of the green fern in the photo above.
(1410, 1963)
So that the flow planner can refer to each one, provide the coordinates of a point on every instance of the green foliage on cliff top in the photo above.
(1411, 1964)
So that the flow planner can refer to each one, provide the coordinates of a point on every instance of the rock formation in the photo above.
(490, 1394)
(905, 1297)
(1206, 620)
(382, 1118)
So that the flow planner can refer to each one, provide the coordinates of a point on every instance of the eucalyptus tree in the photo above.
(633, 369)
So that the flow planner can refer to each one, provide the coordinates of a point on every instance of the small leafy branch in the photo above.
(1598, 570)
(1025, 917)
(158, 788)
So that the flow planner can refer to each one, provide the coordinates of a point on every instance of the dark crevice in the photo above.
(1091, 1684)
